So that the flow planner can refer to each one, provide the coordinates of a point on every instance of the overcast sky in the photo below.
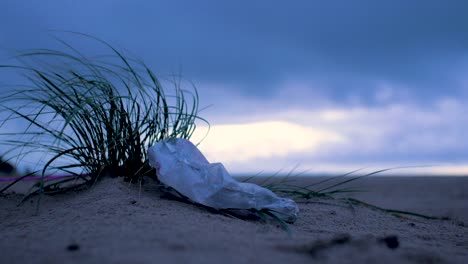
(326, 85)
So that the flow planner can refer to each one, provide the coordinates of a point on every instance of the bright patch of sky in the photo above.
(343, 139)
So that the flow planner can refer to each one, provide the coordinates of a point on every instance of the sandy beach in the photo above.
(115, 222)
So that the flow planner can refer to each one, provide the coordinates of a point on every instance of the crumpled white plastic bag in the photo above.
(180, 165)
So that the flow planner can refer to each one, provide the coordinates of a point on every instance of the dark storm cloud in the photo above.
(253, 45)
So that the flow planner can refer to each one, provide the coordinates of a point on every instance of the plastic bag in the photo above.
(180, 165)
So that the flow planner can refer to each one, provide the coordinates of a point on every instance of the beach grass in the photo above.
(92, 116)
(335, 188)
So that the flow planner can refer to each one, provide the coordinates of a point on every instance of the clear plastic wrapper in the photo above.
(180, 165)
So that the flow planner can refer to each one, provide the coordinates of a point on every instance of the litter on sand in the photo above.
(180, 165)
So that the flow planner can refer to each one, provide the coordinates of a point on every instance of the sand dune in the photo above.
(117, 223)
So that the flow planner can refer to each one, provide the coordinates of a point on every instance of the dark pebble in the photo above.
(73, 247)
(391, 241)
(342, 239)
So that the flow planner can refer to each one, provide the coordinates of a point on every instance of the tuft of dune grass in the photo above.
(98, 114)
